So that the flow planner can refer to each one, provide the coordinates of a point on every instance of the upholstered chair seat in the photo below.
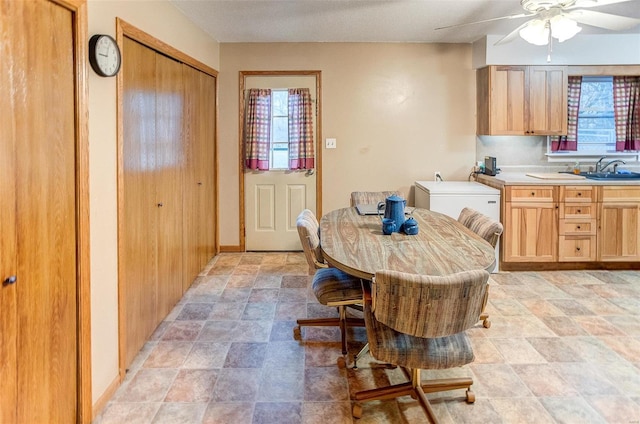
(331, 286)
(490, 230)
(419, 322)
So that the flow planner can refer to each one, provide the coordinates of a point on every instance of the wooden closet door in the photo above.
(170, 156)
(38, 127)
(199, 184)
(208, 208)
(192, 180)
(138, 232)
(10, 21)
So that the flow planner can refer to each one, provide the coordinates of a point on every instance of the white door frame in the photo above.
(243, 76)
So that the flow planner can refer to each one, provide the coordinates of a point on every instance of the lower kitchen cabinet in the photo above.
(563, 223)
(531, 224)
(577, 224)
(619, 239)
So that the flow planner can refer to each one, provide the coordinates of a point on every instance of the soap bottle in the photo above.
(576, 168)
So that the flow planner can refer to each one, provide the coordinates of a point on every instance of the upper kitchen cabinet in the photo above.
(522, 100)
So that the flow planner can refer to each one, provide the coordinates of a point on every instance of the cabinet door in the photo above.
(531, 232)
(547, 101)
(507, 96)
(619, 226)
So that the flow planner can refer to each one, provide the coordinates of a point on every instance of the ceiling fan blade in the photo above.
(603, 20)
(593, 3)
(519, 15)
(511, 36)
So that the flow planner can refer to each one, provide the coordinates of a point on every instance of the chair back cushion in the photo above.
(309, 233)
(370, 197)
(428, 306)
(487, 228)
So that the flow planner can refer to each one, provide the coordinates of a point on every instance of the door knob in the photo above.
(10, 280)
(310, 172)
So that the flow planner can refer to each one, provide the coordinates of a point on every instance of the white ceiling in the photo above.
(235, 21)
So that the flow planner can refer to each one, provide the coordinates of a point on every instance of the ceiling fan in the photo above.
(559, 19)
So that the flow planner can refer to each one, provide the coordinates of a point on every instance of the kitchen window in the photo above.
(596, 132)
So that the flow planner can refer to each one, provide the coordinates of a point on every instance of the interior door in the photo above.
(137, 268)
(38, 138)
(170, 155)
(274, 198)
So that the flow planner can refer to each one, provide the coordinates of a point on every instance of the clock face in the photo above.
(104, 55)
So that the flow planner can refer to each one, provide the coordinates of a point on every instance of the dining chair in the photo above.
(370, 197)
(331, 286)
(490, 230)
(418, 322)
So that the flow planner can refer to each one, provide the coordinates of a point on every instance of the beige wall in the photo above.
(399, 112)
(165, 22)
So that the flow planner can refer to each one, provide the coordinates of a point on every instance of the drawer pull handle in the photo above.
(579, 210)
(579, 194)
(577, 249)
(533, 193)
(578, 227)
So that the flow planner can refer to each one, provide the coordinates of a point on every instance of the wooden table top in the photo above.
(355, 244)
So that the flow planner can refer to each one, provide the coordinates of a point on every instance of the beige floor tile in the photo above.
(563, 347)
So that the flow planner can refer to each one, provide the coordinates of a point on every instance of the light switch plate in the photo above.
(330, 143)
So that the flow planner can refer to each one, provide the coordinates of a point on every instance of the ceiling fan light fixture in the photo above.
(564, 28)
(536, 32)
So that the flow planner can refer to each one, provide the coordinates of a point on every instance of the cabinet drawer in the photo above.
(577, 194)
(620, 193)
(577, 227)
(530, 194)
(577, 248)
(580, 211)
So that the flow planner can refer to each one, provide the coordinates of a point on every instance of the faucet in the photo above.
(597, 167)
(615, 166)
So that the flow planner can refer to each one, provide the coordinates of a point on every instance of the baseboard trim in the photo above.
(105, 397)
(230, 249)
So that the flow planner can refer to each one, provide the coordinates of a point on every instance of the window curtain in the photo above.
(257, 129)
(626, 105)
(569, 142)
(301, 145)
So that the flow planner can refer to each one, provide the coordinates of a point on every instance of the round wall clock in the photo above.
(104, 55)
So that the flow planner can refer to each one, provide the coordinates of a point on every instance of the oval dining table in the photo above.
(355, 244)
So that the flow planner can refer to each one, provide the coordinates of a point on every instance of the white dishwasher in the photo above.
(450, 197)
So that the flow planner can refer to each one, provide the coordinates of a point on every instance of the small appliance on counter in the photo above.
(490, 167)
(450, 197)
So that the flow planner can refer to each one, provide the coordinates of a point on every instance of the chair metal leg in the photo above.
(363, 351)
(416, 389)
(342, 322)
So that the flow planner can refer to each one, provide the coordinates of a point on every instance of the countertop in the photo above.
(521, 178)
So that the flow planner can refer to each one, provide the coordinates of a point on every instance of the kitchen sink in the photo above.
(609, 176)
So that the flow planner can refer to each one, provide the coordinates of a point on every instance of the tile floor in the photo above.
(564, 347)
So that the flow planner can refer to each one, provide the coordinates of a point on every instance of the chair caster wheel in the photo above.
(342, 363)
(486, 323)
(297, 335)
(357, 410)
(471, 397)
